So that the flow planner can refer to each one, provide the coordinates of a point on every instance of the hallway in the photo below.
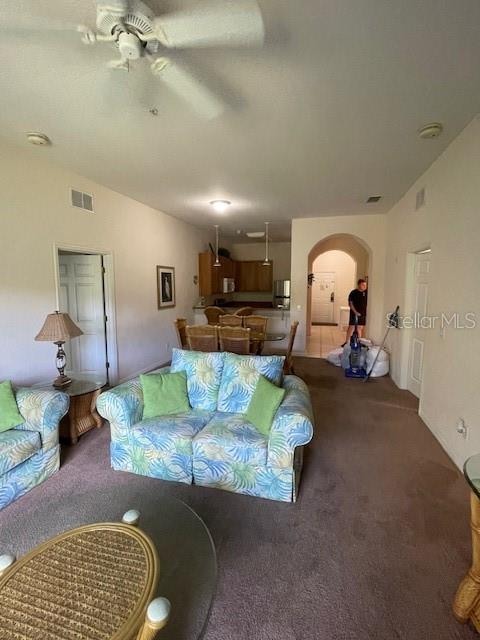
(322, 340)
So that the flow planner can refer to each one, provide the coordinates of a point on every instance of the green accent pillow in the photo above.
(263, 406)
(164, 394)
(10, 416)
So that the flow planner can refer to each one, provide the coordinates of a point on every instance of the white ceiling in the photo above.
(319, 119)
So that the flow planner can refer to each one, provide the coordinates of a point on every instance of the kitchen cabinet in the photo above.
(210, 278)
(253, 276)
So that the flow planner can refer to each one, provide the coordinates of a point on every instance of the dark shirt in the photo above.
(359, 300)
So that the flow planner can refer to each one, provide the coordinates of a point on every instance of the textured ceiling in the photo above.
(324, 115)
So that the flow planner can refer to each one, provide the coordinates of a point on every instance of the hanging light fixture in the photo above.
(217, 262)
(266, 262)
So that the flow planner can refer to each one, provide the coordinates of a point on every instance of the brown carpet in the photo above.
(374, 548)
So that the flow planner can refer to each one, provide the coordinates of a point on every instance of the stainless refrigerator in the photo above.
(281, 294)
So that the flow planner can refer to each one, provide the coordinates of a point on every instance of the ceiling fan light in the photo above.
(220, 206)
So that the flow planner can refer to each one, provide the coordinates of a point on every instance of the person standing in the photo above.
(357, 301)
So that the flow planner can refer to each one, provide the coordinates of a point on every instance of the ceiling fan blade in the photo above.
(117, 8)
(181, 82)
(212, 23)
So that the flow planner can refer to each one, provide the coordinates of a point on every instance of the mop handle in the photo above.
(392, 322)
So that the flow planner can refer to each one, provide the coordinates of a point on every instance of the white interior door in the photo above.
(420, 307)
(81, 296)
(323, 296)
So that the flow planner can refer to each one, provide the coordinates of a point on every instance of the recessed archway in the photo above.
(339, 260)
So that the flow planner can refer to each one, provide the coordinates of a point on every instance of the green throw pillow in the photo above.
(164, 394)
(10, 416)
(263, 406)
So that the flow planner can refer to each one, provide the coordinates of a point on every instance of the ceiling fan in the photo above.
(132, 28)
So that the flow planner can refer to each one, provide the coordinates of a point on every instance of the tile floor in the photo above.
(323, 340)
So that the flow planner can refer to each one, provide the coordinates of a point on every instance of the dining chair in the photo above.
(230, 320)
(244, 311)
(234, 340)
(180, 326)
(258, 328)
(202, 337)
(288, 364)
(213, 314)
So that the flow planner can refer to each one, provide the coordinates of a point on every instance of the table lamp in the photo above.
(57, 328)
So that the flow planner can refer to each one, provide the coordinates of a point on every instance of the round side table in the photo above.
(82, 414)
(466, 605)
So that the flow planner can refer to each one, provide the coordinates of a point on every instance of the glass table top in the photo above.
(188, 566)
(81, 384)
(274, 337)
(471, 469)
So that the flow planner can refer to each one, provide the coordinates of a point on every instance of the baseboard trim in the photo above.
(439, 439)
(151, 367)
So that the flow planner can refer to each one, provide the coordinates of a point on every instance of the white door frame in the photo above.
(109, 280)
(408, 308)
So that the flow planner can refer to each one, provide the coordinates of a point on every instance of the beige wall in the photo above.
(450, 223)
(370, 231)
(342, 242)
(35, 213)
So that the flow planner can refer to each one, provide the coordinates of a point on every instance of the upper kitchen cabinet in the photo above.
(253, 276)
(210, 278)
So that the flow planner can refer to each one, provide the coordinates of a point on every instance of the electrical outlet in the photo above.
(462, 428)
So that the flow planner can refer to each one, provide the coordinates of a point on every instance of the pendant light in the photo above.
(266, 262)
(217, 262)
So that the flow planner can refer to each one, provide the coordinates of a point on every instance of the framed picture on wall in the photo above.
(165, 287)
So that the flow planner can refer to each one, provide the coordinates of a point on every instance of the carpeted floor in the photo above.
(374, 548)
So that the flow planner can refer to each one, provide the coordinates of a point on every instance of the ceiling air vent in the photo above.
(373, 199)
(420, 199)
(82, 200)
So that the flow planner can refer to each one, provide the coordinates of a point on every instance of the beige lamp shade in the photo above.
(58, 327)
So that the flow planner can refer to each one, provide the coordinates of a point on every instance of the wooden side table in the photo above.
(466, 605)
(82, 414)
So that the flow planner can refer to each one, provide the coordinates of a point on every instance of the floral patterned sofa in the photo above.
(30, 453)
(213, 444)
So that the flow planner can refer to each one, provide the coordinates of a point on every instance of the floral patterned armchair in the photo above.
(30, 453)
(213, 444)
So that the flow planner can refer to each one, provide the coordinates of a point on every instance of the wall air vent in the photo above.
(82, 200)
(373, 199)
(420, 199)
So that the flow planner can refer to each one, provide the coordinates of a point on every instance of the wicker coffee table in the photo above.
(91, 583)
(188, 569)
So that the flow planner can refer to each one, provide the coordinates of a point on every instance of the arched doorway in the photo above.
(334, 265)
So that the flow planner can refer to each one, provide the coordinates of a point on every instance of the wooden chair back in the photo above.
(288, 364)
(258, 324)
(229, 320)
(258, 329)
(202, 337)
(213, 314)
(234, 340)
(244, 311)
(180, 326)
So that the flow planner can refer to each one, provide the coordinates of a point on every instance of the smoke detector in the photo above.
(429, 131)
(38, 139)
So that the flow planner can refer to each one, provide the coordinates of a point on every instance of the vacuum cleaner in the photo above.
(357, 356)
